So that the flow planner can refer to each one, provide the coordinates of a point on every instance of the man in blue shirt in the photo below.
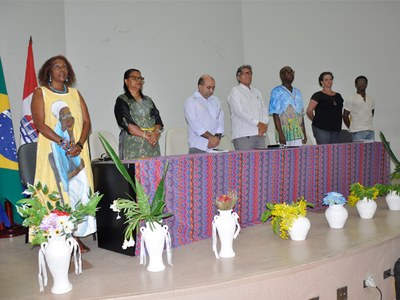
(287, 109)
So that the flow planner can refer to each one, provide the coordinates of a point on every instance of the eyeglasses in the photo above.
(136, 78)
(65, 116)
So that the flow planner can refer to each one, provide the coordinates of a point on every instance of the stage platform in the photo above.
(265, 266)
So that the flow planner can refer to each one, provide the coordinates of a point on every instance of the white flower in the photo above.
(114, 206)
(68, 227)
(129, 243)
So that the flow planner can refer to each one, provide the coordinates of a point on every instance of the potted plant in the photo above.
(392, 193)
(225, 224)
(363, 199)
(51, 225)
(336, 214)
(152, 213)
(396, 173)
(285, 216)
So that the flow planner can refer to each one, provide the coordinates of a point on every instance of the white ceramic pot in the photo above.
(336, 215)
(299, 229)
(228, 228)
(393, 201)
(154, 238)
(366, 208)
(57, 252)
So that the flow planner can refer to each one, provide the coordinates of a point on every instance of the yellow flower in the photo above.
(283, 215)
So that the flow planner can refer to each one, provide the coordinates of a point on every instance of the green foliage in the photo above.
(396, 173)
(385, 189)
(143, 209)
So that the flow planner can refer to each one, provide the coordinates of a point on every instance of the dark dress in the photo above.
(328, 112)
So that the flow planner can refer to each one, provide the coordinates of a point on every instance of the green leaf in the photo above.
(388, 149)
(119, 165)
(45, 189)
(38, 186)
(142, 199)
(275, 226)
(49, 206)
(266, 215)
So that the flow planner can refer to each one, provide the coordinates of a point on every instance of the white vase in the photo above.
(299, 229)
(366, 208)
(154, 236)
(393, 200)
(227, 226)
(57, 254)
(336, 215)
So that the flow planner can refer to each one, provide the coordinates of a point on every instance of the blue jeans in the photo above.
(325, 136)
(364, 135)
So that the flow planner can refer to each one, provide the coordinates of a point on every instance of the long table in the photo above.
(193, 182)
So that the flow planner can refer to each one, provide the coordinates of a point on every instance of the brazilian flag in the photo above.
(10, 184)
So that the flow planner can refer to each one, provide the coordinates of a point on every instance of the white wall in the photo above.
(174, 42)
(348, 38)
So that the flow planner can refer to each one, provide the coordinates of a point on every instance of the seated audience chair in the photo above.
(27, 167)
(176, 141)
(96, 147)
(27, 163)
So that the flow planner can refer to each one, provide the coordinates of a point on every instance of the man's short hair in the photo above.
(201, 81)
(239, 71)
(284, 69)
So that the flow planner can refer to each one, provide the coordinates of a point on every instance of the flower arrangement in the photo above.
(226, 202)
(142, 209)
(46, 219)
(359, 192)
(333, 198)
(283, 215)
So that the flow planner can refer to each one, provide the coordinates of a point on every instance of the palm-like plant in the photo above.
(396, 173)
(141, 209)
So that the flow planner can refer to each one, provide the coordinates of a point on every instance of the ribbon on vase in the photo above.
(214, 237)
(236, 216)
(42, 268)
(76, 250)
(168, 245)
(142, 256)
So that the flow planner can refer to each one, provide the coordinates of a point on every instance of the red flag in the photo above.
(28, 131)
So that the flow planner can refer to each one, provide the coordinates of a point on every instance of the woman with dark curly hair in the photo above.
(61, 116)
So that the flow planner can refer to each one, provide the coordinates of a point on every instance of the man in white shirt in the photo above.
(248, 112)
(205, 117)
(358, 112)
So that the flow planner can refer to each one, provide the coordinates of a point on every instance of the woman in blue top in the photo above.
(325, 111)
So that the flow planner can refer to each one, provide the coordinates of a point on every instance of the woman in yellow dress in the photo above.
(61, 116)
